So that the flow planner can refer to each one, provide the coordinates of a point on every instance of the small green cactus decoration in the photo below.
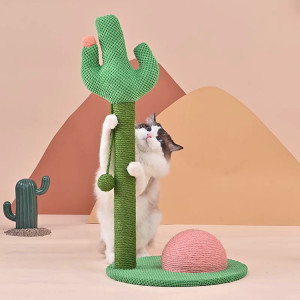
(26, 203)
(120, 84)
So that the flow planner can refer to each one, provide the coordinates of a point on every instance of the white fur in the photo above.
(150, 165)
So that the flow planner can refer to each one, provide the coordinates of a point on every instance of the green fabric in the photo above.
(124, 203)
(149, 272)
(121, 85)
(116, 80)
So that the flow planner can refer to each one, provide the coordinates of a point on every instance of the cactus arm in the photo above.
(8, 212)
(44, 186)
(111, 40)
(90, 67)
(148, 71)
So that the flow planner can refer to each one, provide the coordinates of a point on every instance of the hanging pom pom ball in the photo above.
(106, 182)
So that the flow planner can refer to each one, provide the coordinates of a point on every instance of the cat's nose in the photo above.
(149, 135)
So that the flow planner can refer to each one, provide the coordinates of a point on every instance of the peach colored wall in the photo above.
(248, 48)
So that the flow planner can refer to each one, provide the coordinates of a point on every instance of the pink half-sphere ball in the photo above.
(194, 251)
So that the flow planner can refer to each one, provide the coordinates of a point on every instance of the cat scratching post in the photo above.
(121, 85)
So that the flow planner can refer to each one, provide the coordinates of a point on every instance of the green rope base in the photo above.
(148, 272)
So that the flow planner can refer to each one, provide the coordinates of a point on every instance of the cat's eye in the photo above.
(148, 128)
(159, 139)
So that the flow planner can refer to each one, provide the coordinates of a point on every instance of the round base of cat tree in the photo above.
(148, 272)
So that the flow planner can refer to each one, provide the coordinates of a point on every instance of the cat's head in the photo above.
(151, 137)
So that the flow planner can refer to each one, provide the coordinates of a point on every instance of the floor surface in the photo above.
(66, 264)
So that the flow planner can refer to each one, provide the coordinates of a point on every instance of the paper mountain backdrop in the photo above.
(232, 170)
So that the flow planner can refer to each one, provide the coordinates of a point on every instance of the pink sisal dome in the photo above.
(194, 251)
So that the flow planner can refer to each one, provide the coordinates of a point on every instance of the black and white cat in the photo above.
(153, 148)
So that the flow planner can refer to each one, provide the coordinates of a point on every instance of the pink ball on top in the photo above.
(88, 41)
(194, 251)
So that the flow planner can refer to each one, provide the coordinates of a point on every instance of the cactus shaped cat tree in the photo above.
(120, 84)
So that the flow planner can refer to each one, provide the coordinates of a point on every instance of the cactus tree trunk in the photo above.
(125, 198)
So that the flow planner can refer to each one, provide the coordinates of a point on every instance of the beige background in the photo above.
(234, 170)
(248, 48)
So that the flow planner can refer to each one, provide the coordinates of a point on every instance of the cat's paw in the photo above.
(135, 169)
(111, 121)
(110, 257)
(142, 253)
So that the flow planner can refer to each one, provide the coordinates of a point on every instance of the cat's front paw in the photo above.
(142, 253)
(111, 121)
(135, 169)
(110, 257)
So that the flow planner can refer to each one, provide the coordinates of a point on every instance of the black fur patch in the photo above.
(167, 144)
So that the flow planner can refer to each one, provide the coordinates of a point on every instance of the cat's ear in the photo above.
(174, 147)
(151, 119)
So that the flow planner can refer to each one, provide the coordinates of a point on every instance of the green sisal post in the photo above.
(26, 203)
(116, 81)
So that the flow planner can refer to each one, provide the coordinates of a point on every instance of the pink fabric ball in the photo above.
(88, 41)
(194, 251)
